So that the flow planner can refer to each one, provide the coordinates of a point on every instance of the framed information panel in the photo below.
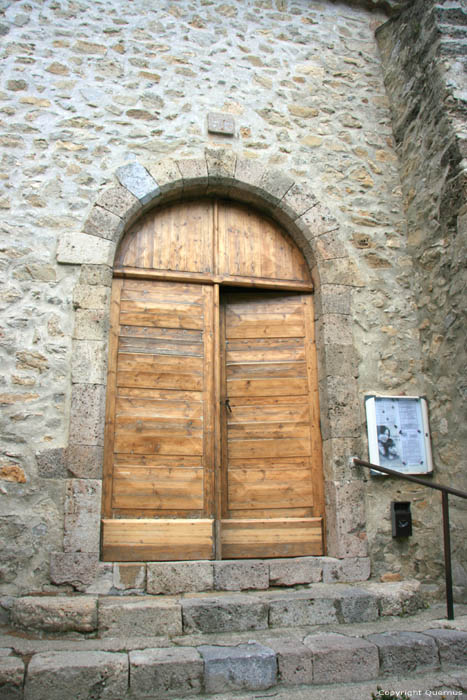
(398, 433)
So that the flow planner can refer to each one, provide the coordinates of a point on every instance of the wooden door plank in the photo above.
(109, 434)
(288, 447)
(157, 540)
(267, 387)
(316, 441)
(273, 537)
(209, 399)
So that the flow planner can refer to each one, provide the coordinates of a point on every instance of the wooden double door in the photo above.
(212, 437)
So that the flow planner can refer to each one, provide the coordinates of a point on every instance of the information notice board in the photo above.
(398, 433)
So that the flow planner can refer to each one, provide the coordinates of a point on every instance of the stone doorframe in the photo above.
(317, 234)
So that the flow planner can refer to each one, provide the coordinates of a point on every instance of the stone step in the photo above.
(304, 663)
(204, 613)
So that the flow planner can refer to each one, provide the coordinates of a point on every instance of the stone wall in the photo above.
(424, 59)
(87, 87)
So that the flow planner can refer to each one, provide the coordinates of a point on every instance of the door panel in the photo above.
(177, 458)
(270, 428)
(160, 421)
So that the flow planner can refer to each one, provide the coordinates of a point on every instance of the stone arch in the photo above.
(139, 188)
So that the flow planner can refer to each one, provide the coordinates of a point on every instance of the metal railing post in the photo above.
(445, 490)
(447, 558)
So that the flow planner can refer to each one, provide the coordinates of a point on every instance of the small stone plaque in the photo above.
(219, 123)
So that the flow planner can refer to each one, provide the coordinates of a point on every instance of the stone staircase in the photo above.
(228, 630)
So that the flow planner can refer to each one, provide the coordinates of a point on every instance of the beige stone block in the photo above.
(129, 576)
(297, 200)
(346, 506)
(87, 414)
(339, 271)
(340, 408)
(91, 324)
(274, 185)
(85, 461)
(180, 577)
(220, 164)
(82, 515)
(119, 201)
(334, 329)
(139, 616)
(194, 172)
(337, 453)
(337, 361)
(329, 246)
(78, 569)
(91, 296)
(103, 582)
(317, 221)
(346, 570)
(241, 575)
(80, 675)
(101, 222)
(341, 659)
(89, 362)
(100, 275)
(290, 572)
(333, 299)
(55, 613)
(81, 248)
(167, 174)
(249, 173)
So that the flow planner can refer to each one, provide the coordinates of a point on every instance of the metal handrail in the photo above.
(445, 490)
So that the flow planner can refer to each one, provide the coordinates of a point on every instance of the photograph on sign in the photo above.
(398, 433)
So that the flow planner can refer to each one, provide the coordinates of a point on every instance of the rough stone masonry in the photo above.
(374, 126)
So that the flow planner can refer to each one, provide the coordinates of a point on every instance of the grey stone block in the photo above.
(301, 608)
(294, 661)
(163, 673)
(452, 645)
(76, 568)
(80, 675)
(138, 616)
(244, 667)
(290, 572)
(233, 613)
(356, 605)
(138, 181)
(11, 678)
(180, 577)
(55, 613)
(52, 464)
(405, 652)
(241, 575)
(340, 659)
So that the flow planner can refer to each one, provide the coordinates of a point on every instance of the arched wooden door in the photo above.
(212, 442)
